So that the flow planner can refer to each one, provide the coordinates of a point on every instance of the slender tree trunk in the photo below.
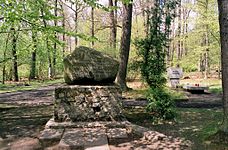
(207, 68)
(185, 37)
(172, 51)
(125, 45)
(168, 33)
(179, 32)
(206, 43)
(14, 54)
(113, 26)
(76, 23)
(223, 22)
(48, 48)
(63, 26)
(116, 13)
(4, 58)
(55, 44)
(92, 26)
(33, 61)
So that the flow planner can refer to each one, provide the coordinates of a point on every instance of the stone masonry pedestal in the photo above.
(87, 103)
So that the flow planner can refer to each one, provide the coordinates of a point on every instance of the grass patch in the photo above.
(136, 94)
(142, 94)
(217, 89)
(193, 124)
(215, 85)
(208, 82)
(26, 85)
(177, 94)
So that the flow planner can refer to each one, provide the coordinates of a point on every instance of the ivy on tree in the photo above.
(152, 49)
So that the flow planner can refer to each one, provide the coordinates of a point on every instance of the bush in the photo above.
(160, 103)
(152, 50)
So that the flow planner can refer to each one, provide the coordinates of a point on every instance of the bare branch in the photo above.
(105, 27)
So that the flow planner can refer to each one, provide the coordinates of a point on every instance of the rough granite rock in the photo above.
(88, 66)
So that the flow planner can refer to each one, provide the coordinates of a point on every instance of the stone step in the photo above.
(100, 147)
(72, 139)
(50, 137)
(117, 135)
(88, 139)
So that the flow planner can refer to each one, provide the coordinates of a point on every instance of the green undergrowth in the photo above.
(136, 93)
(27, 85)
(192, 124)
(217, 89)
(215, 85)
(177, 95)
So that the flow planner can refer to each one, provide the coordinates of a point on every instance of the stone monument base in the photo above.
(87, 103)
(105, 135)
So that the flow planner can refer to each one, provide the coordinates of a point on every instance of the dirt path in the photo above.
(37, 97)
(24, 114)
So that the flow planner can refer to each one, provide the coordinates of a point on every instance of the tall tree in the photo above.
(223, 22)
(206, 43)
(63, 26)
(47, 44)
(56, 37)
(179, 45)
(4, 59)
(92, 26)
(14, 54)
(76, 22)
(125, 45)
(33, 60)
(113, 26)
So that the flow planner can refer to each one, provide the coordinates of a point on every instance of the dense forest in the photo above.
(37, 35)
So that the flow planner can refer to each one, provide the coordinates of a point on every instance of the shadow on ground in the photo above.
(22, 122)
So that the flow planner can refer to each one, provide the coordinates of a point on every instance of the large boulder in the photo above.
(88, 66)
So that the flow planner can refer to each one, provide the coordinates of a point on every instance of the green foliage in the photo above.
(216, 89)
(152, 48)
(160, 103)
(153, 53)
(203, 15)
(152, 66)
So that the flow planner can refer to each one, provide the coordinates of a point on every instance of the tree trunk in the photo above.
(92, 26)
(33, 61)
(76, 23)
(172, 51)
(125, 45)
(207, 69)
(48, 47)
(63, 25)
(179, 32)
(223, 22)
(113, 26)
(55, 44)
(4, 58)
(14, 54)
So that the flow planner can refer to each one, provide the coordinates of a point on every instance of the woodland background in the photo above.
(37, 35)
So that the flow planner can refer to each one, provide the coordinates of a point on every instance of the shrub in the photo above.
(160, 103)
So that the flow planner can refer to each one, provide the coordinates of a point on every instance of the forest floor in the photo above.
(24, 114)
